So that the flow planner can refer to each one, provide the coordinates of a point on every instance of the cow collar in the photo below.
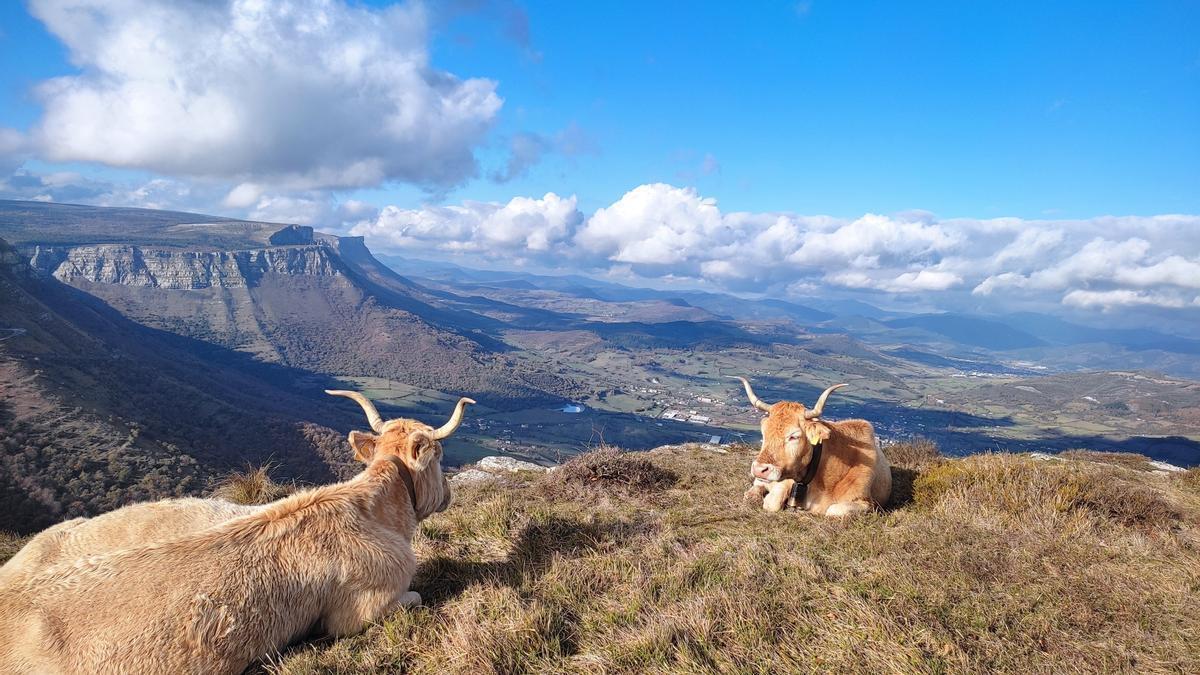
(800, 488)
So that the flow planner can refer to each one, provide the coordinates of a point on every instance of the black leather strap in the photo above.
(800, 488)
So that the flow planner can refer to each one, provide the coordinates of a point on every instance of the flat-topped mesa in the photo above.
(175, 268)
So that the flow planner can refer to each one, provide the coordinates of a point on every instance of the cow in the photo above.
(331, 558)
(850, 474)
(127, 526)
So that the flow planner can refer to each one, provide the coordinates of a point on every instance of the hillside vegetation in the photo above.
(97, 411)
(651, 562)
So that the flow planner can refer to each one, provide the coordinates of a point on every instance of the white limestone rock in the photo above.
(1166, 467)
(173, 268)
(508, 464)
(471, 476)
(492, 468)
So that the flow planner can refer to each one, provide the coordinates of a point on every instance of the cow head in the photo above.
(414, 444)
(789, 433)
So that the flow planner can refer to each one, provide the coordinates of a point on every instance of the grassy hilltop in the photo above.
(650, 562)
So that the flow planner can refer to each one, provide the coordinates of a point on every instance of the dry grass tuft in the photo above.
(1022, 487)
(916, 454)
(1188, 480)
(252, 486)
(9, 545)
(908, 459)
(606, 469)
(1129, 460)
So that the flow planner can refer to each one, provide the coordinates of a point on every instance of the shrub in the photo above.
(609, 470)
(916, 454)
(908, 460)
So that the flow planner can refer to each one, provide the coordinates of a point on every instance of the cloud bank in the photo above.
(659, 232)
(292, 94)
(523, 229)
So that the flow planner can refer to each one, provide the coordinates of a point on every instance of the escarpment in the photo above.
(181, 268)
(289, 296)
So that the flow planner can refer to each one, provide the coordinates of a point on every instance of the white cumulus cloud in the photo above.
(656, 224)
(523, 227)
(1109, 300)
(673, 235)
(297, 94)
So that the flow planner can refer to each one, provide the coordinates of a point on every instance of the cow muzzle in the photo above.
(766, 472)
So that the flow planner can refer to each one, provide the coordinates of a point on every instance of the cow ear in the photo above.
(816, 432)
(364, 446)
(421, 447)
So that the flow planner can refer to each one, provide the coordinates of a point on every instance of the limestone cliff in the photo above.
(288, 296)
(178, 268)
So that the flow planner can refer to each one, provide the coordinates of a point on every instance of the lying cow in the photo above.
(213, 601)
(126, 527)
(830, 468)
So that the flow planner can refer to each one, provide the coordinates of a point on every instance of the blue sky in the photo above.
(931, 114)
(965, 109)
(977, 109)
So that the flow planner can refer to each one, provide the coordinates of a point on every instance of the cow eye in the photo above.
(794, 435)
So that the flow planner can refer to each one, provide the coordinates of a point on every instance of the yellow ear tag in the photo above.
(814, 435)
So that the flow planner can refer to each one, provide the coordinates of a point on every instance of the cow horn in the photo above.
(816, 409)
(448, 428)
(754, 400)
(373, 417)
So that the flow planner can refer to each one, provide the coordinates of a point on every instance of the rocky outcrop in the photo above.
(491, 468)
(172, 268)
(508, 464)
(12, 262)
(292, 235)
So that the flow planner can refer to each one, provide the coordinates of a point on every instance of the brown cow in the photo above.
(333, 557)
(852, 473)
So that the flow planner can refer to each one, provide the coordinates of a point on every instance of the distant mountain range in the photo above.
(1049, 340)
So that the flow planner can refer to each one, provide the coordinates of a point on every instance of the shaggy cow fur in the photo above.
(126, 527)
(853, 474)
(213, 601)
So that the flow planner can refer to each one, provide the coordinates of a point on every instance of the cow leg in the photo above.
(364, 608)
(842, 509)
(407, 599)
(754, 496)
(778, 494)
